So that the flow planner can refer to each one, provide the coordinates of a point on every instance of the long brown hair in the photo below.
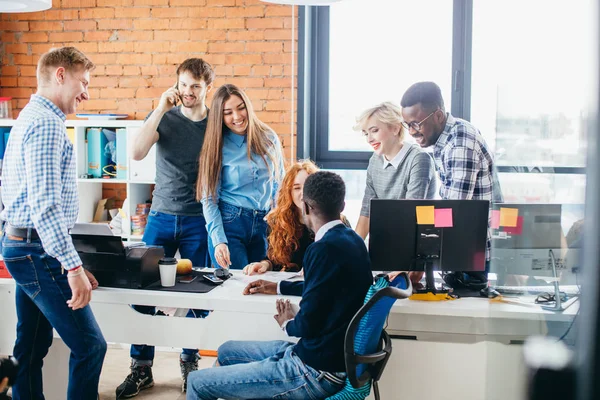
(211, 156)
(285, 220)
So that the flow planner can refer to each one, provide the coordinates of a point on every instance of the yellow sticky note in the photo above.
(425, 215)
(508, 217)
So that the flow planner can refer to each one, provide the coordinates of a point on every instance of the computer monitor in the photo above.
(423, 235)
(524, 234)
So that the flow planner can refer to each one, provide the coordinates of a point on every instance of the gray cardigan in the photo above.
(414, 178)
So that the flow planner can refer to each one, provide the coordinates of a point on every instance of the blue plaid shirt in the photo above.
(465, 165)
(39, 187)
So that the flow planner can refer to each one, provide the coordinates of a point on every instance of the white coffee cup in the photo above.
(168, 271)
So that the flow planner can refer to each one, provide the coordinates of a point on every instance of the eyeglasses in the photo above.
(416, 125)
(549, 298)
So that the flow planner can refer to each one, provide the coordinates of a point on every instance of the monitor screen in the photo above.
(524, 234)
(398, 227)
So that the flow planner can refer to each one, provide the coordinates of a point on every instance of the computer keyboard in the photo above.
(571, 290)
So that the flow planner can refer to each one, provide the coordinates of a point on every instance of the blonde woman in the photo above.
(239, 174)
(397, 169)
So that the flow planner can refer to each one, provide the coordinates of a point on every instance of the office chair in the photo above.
(367, 345)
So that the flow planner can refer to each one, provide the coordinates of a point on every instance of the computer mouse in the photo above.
(489, 292)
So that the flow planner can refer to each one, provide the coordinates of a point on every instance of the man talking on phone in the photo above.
(177, 127)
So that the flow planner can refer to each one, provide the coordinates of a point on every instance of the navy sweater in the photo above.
(337, 275)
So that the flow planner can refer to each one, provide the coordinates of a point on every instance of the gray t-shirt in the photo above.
(177, 154)
(410, 175)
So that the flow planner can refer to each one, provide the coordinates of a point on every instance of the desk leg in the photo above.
(56, 371)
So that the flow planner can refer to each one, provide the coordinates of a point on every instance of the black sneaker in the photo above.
(140, 378)
(187, 367)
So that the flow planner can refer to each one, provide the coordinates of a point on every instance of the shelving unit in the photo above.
(140, 174)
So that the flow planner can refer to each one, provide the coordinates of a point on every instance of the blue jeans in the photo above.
(246, 232)
(174, 232)
(41, 297)
(259, 370)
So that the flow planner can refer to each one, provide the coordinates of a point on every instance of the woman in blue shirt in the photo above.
(239, 173)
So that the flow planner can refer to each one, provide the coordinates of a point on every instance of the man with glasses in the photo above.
(462, 158)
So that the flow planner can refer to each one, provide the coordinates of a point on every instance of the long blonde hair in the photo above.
(211, 156)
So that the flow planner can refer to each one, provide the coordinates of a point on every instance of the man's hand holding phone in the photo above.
(169, 99)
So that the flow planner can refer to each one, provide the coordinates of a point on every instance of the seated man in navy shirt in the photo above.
(337, 275)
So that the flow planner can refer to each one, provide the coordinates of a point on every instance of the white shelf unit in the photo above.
(140, 174)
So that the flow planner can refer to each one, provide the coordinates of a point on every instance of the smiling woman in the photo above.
(397, 169)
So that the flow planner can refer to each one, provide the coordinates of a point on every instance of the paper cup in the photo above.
(168, 273)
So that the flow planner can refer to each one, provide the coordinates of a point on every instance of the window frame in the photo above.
(313, 87)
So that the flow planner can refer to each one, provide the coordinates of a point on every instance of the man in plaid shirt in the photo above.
(462, 158)
(39, 192)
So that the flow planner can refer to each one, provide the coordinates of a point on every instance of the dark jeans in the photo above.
(246, 232)
(41, 295)
(174, 232)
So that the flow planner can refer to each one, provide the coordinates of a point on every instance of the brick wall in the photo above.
(137, 45)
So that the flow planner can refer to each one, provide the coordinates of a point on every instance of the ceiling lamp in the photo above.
(19, 6)
(301, 2)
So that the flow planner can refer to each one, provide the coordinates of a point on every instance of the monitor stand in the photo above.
(430, 292)
(559, 305)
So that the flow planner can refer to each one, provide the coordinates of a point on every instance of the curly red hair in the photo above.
(285, 219)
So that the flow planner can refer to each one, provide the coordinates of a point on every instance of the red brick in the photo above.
(31, 16)
(243, 59)
(78, 3)
(34, 37)
(6, 37)
(254, 11)
(224, 70)
(25, 70)
(60, 15)
(247, 82)
(149, 93)
(190, 47)
(97, 13)
(276, 70)
(115, 24)
(133, 12)
(163, 12)
(16, 48)
(128, 105)
(264, 23)
(17, 92)
(152, 47)
(172, 35)
(221, 3)
(115, 47)
(133, 82)
(177, 3)
(278, 82)
(187, 23)
(229, 23)
(149, 70)
(80, 26)
(115, 3)
(114, 70)
(14, 26)
(207, 12)
(151, 2)
(162, 82)
(100, 70)
(9, 81)
(22, 59)
(278, 34)
(269, 116)
(102, 82)
(60, 37)
(264, 47)
(279, 11)
(245, 35)
(100, 104)
(278, 105)
(277, 58)
(93, 93)
(208, 34)
(96, 36)
(110, 93)
(261, 70)
(9, 70)
(131, 70)
(235, 47)
(242, 70)
(150, 24)
(134, 59)
(39, 49)
(135, 35)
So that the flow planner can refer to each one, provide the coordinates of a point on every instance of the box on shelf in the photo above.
(4, 133)
(96, 157)
(121, 153)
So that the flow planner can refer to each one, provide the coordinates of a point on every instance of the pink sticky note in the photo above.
(495, 219)
(517, 230)
(443, 218)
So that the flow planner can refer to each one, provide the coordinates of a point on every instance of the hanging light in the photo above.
(19, 6)
(302, 2)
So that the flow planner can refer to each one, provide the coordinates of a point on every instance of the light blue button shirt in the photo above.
(244, 183)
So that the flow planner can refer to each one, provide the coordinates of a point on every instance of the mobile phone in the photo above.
(213, 279)
(177, 98)
(187, 279)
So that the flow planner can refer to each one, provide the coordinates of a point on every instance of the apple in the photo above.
(184, 266)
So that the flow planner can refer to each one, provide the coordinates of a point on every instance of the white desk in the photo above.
(467, 348)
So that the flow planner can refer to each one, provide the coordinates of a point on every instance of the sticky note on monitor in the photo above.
(425, 215)
(508, 217)
(495, 219)
(517, 229)
(443, 218)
